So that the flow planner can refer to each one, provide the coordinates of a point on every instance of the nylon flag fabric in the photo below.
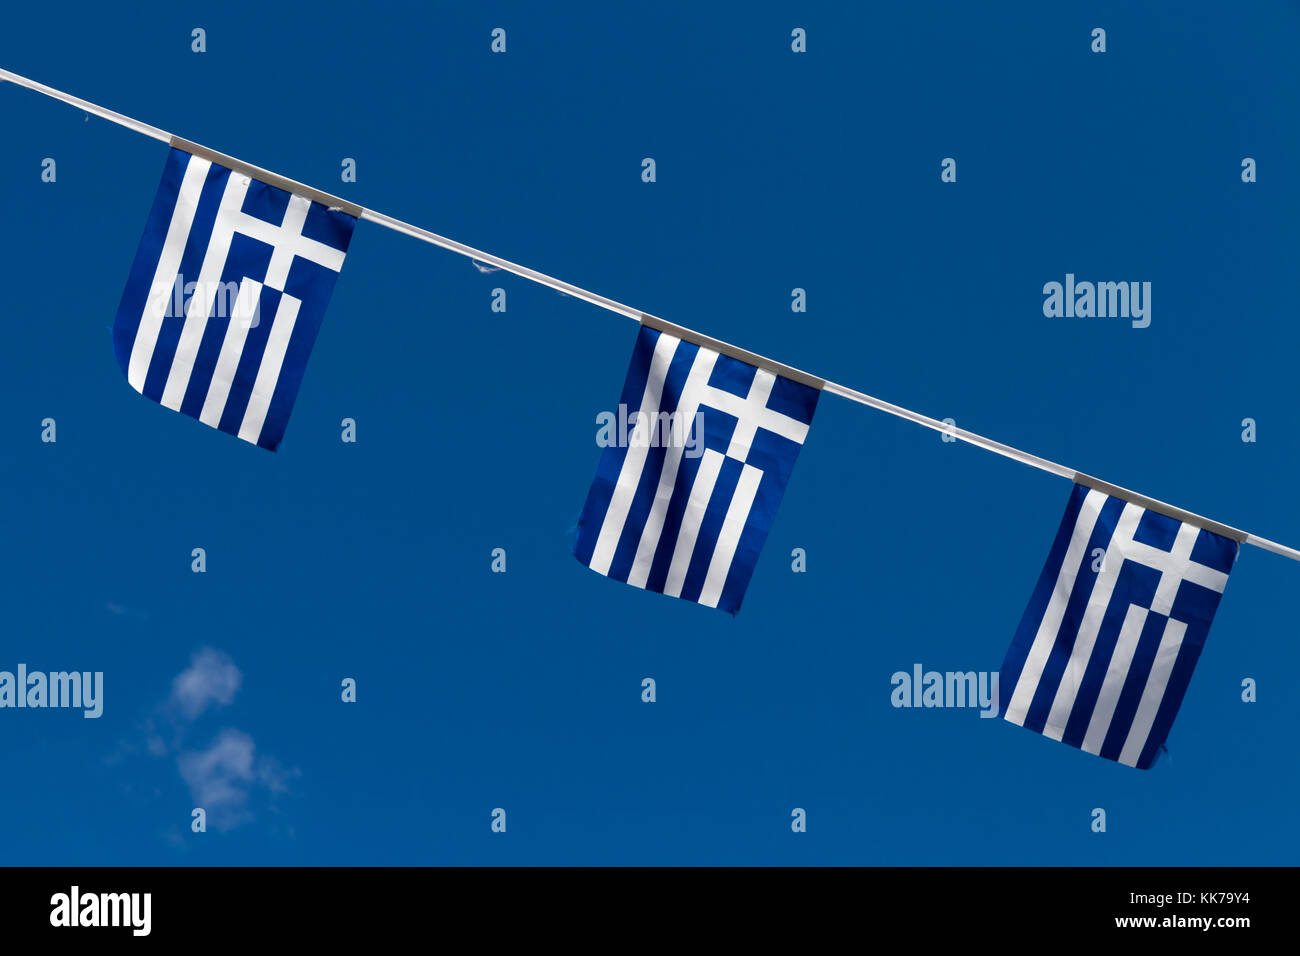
(695, 463)
(226, 295)
(1105, 651)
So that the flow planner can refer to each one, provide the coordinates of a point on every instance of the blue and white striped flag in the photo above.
(226, 295)
(1106, 648)
(695, 466)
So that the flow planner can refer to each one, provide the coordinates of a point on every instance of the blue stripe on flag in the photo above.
(140, 278)
(250, 360)
(1140, 582)
(313, 284)
(196, 247)
(723, 489)
(644, 499)
(658, 578)
(1179, 680)
(1063, 645)
(611, 461)
(753, 425)
(1104, 688)
(1014, 662)
(272, 239)
(1139, 670)
(247, 257)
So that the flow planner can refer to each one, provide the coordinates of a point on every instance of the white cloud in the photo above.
(211, 677)
(228, 778)
(121, 610)
(221, 777)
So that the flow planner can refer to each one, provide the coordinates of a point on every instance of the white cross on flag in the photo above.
(1106, 648)
(696, 461)
(226, 296)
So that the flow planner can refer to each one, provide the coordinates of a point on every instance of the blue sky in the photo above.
(476, 430)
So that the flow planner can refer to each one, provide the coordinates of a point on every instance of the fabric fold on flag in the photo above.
(1105, 651)
(226, 295)
(695, 464)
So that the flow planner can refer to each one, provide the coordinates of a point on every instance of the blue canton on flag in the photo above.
(1105, 651)
(226, 296)
(693, 471)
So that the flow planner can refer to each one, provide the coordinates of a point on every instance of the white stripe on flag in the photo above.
(196, 317)
(1154, 691)
(1068, 689)
(692, 518)
(1116, 674)
(733, 525)
(1023, 694)
(268, 373)
(629, 476)
(165, 275)
(232, 349)
(688, 404)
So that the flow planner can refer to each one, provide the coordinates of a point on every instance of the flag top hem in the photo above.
(733, 351)
(1151, 504)
(268, 177)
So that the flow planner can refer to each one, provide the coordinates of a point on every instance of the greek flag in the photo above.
(226, 295)
(695, 463)
(1106, 648)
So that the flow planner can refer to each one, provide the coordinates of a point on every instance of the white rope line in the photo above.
(486, 257)
(861, 398)
(118, 118)
(987, 444)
